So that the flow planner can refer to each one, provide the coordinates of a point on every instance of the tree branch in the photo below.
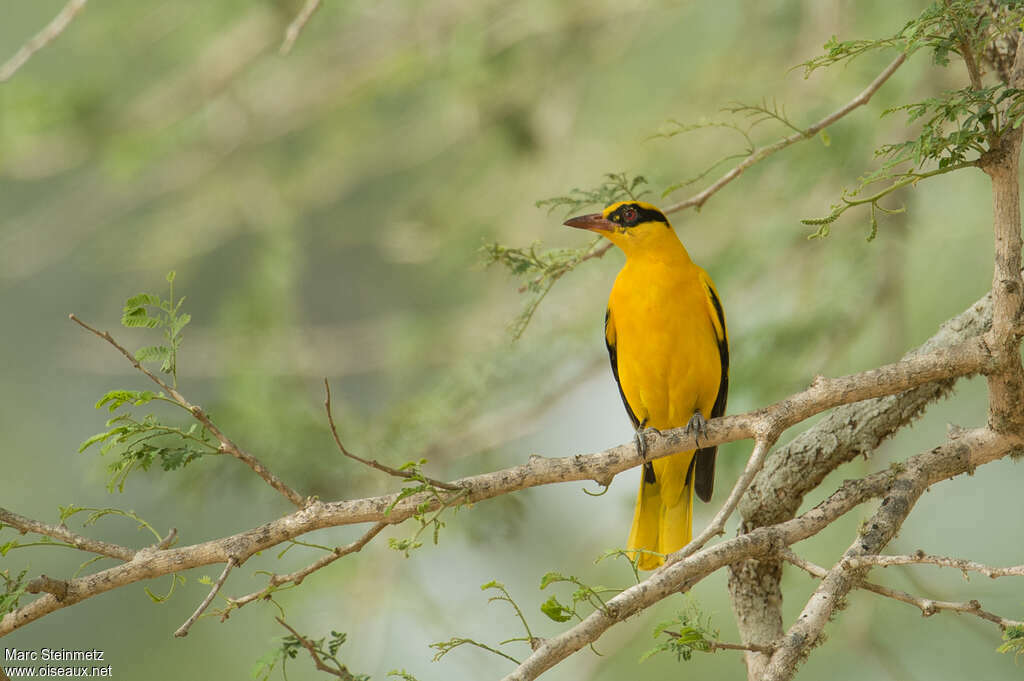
(227, 446)
(1006, 387)
(299, 575)
(341, 672)
(59, 532)
(697, 201)
(904, 491)
(922, 558)
(969, 450)
(927, 606)
(799, 467)
(41, 39)
(717, 524)
(182, 631)
(968, 357)
(298, 23)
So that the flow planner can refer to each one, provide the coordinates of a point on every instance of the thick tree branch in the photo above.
(1006, 387)
(227, 446)
(794, 470)
(875, 534)
(971, 449)
(697, 201)
(41, 39)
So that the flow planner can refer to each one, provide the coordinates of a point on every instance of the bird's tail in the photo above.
(663, 519)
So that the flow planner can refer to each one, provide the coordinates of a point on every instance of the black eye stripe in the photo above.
(631, 214)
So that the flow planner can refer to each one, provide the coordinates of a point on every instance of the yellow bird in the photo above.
(667, 342)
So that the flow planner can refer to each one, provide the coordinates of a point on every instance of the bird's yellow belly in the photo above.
(668, 359)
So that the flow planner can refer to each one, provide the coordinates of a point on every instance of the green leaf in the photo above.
(555, 610)
(116, 398)
(141, 321)
(98, 437)
(551, 577)
(153, 353)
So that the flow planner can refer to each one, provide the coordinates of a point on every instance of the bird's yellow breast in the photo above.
(668, 358)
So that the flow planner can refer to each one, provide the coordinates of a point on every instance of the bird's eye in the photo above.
(629, 215)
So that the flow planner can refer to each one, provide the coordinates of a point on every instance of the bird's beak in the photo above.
(593, 222)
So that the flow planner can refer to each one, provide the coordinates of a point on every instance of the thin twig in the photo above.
(698, 200)
(927, 606)
(922, 558)
(24, 525)
(373, 463)
(227, 446)
(341, 672)
(41, 39)
(183, 629)
(720, 645)
(299, 575)
(168, 540)
(298, 23)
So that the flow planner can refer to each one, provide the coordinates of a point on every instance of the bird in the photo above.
(669, 351)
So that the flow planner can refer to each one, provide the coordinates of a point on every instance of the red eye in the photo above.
(629, 215)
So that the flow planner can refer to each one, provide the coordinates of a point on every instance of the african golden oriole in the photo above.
(666, 337)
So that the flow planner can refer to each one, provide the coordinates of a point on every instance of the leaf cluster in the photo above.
(442, 499)
(943, 27)
(289, 647)
(615, 187)
(583, 595)
(150, 311)
(139, 443)
(957, 127)
(14, 588)
(539, 270)
(690, 631)
(955, 124)
(1013, 642)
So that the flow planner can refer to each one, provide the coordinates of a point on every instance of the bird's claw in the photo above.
(698, 427)
(640, 438)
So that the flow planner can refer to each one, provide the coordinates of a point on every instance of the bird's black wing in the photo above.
(704, 461)
(613, 357)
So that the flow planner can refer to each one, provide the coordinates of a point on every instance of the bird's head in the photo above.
(634, 226)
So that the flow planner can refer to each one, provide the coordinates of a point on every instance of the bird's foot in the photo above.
(640, 437)
(697, 426)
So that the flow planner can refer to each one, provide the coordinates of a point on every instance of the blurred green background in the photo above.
(324, 212)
